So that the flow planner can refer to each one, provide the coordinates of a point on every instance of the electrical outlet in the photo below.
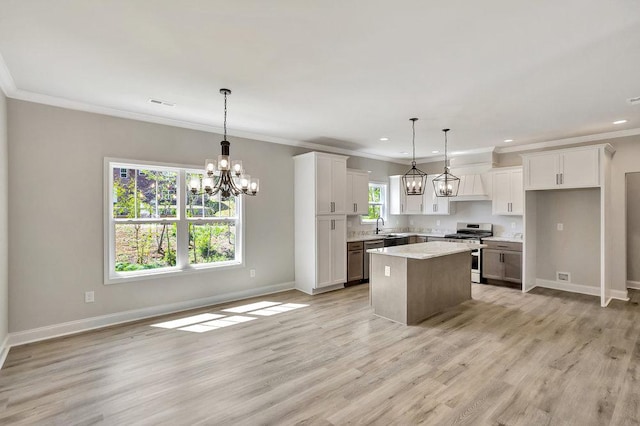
(252, 273)
(387, 271)
(563, 276)
(437, 223)
(513, 225)
(89, 297)
(411, 222)
(560, 227)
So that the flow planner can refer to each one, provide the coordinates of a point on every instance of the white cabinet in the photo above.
(357, 192)
(331, 234)
(320, 222)
(330, 183)
(434, 205)
(570, 168)
(399, 201)
(508, 191)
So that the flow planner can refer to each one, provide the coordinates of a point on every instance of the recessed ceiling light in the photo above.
(620, 122)
(508, 140)
(435, 152)
(384, 139)
(404, 153)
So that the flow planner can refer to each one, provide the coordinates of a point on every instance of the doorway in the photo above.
(633, 229)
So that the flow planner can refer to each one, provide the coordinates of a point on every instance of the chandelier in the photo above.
(415, 179)
(446, 184)
(224, 176)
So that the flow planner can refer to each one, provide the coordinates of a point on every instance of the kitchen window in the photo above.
(377, 202)
(155, 225)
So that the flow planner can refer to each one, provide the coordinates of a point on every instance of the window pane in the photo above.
(375, 211)
(212, 242)
(144, 246)
(144, 193)
(202, 205)
(375, 193)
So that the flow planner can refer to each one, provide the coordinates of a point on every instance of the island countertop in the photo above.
(426, 250)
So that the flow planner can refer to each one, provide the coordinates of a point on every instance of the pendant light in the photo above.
(415, 179)
(224, 176)
(446, 184)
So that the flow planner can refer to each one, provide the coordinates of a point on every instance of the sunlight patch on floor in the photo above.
(208, 322)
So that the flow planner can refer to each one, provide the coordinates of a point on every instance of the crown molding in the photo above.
(7, 84)
(569, 141)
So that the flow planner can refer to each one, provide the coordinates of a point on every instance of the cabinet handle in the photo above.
(333, 224)
(557, 179)
(420, 206)
(510, 208)
(401, 208)
(355, 207)
(333, 207)
(561, 178)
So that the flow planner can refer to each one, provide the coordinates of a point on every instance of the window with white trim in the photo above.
(155, 225)
(377, 202)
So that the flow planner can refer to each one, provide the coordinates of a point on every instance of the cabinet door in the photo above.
(339, 250)
(396, 195)
(542, 171)
(491, 264)
(512, 261)
(580, 168)
(355, 262)
(501, 193)
(324, 183)
(323, 251)
(434, 205)
(517, 192)
(413, 204)
(339, 185)
(361, 192)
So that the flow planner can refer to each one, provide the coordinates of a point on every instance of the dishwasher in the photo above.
(370, 245)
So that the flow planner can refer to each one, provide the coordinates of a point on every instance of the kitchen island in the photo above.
(413, 282)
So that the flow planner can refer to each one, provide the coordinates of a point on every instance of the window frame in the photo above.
(111, 276)
(384, 204)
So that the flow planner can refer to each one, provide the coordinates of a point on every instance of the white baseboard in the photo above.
(4, 350)
(571, 287)
(633, 284)
(86, 324)
(619, 295)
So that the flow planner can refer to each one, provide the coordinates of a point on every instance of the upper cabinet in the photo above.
(566, 168)
(357, 192)
(434, 205)
(330, 183)
(507, 191)
(399, 201)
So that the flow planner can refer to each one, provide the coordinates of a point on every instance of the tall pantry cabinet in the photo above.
(320, 221)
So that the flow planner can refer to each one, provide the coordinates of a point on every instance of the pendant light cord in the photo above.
(413, 126)
(225, 116)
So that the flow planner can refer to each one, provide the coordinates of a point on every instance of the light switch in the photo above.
(560, 227)
(387, 271)
(437, 223)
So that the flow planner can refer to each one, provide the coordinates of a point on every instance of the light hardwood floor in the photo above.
(503, 358)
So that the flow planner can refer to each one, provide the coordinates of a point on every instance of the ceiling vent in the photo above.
(159, 102)
(634, 101)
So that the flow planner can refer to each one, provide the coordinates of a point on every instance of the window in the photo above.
(377, 202)
(155, 225)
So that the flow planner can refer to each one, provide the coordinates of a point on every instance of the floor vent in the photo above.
(563, 276)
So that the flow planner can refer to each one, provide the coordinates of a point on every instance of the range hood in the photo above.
(472, 188)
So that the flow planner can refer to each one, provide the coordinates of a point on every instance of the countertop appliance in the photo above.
(472, 233)
(373, 244)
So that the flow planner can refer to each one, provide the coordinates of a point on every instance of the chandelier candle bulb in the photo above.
(210, 166)
(236, 166)
(254, 186)
(194, 184)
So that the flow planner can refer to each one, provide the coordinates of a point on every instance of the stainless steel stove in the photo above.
(472, 233)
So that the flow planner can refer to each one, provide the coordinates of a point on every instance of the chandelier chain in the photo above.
(225, 116)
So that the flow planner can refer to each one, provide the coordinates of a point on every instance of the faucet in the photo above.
(377, 229)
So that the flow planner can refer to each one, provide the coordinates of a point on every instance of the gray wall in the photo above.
(4, 214)
(633, 227)
(56, 213)
(575, 249)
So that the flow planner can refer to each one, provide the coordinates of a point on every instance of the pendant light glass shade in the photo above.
(415, 179)
(446, 184)
(222, 175)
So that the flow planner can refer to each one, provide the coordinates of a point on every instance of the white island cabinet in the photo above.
(320, 222)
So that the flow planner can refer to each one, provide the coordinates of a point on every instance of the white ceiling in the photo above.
(338, 73)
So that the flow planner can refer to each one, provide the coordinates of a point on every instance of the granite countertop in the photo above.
(423, 251)
(504, 239)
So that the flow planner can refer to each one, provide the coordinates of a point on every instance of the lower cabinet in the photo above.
(355, 261)
(502, 261)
